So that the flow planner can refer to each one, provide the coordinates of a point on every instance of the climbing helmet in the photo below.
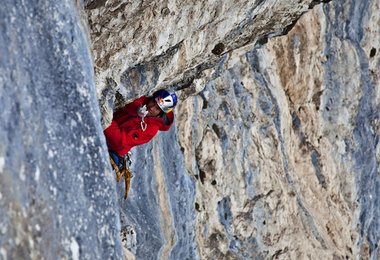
(165, 100)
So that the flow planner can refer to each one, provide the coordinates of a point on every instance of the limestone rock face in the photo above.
(57, 192)
(275, 149)
(286, 143)
(296, 121)
(139, 46)
(275, 152)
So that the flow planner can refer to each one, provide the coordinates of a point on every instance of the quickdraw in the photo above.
(143, 124)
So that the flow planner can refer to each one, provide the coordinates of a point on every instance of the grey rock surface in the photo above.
(141, 46)
(296, 121)
(57, 194)
(277, 156)
(275, 149)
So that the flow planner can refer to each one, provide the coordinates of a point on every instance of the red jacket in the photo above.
(126, 132)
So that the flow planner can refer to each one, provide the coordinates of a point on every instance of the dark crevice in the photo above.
(197, 207)
(94, 4)
(288, 28)
(218, 49)
(202, 176)
(316, 99)
(216, 130)
(317, 2)
(372, 53)
(262, 40)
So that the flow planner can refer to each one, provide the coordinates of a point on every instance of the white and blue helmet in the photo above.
(165, 100)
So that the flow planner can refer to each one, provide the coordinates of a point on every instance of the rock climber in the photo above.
(138, 122)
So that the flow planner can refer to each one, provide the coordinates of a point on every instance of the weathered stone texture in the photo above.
(278, 152)
(287, 144)
(275, 152)
(139, 46)
(57, 192)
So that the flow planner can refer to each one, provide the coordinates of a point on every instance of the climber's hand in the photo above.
(141, 111)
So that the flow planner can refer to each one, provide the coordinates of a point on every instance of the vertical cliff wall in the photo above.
(286, 143)
(57, 193)
(275, 153)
